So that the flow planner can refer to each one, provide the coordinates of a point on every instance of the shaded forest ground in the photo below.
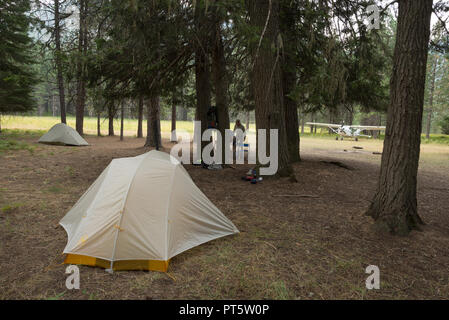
(290, 247)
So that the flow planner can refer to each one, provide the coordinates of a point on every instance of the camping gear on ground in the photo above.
(63, 134)
(251, 176)
(140, 213)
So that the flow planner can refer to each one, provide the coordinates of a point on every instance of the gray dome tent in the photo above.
(140, 213)
(63, 134)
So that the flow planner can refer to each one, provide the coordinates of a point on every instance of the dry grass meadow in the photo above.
(290, 247)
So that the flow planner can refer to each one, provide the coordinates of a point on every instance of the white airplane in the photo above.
(343, 130)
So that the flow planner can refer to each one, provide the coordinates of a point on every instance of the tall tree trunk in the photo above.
(291, 119)
(349, 115)
(111, 115)
(266, 78)
(312, 120)
(220, 79)
(394, 206)
(82, 50)
(99, 124)
(173, 136)
(59, 63)
(122, 119)
(202, 67)
(431, 96)
(288, 27)
(140, 118)
(153, 123)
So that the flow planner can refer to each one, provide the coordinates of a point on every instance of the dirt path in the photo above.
(289, 247)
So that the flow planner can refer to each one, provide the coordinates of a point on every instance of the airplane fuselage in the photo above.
(348, 131)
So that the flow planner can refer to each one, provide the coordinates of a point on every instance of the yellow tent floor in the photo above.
(146, 265)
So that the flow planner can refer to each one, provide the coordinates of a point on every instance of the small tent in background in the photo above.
(63, 134)
(140, 213)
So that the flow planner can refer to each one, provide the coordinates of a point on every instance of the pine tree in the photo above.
(17, 76)
(266, 77)
(395, 205)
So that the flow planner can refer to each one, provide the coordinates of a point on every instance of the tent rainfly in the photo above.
(63, 134)
(140, 213)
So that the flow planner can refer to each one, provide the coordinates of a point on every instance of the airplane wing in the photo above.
(328, 125)
(371, 128)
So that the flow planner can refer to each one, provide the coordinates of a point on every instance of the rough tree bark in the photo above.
(289, 81)
(266, 77)
(153, 123)
(82, 50)
(140, 118)
(58, 61)
(394, 206)
(220, 78)
(202, 67)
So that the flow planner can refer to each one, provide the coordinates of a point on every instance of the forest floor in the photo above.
(289, 247)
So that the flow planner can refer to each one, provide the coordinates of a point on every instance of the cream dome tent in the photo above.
(140, 213)
(63, 134)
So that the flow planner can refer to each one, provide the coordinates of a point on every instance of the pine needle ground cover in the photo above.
(290, 246)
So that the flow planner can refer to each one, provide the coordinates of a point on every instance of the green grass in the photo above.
(436, 138)
(280, 290)
(39, 125)
(70, 170)
(57, 296)
(55, 189)
(20, 133)
(11, 207)
(9, 139)
(33, 126)
(10, 145)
